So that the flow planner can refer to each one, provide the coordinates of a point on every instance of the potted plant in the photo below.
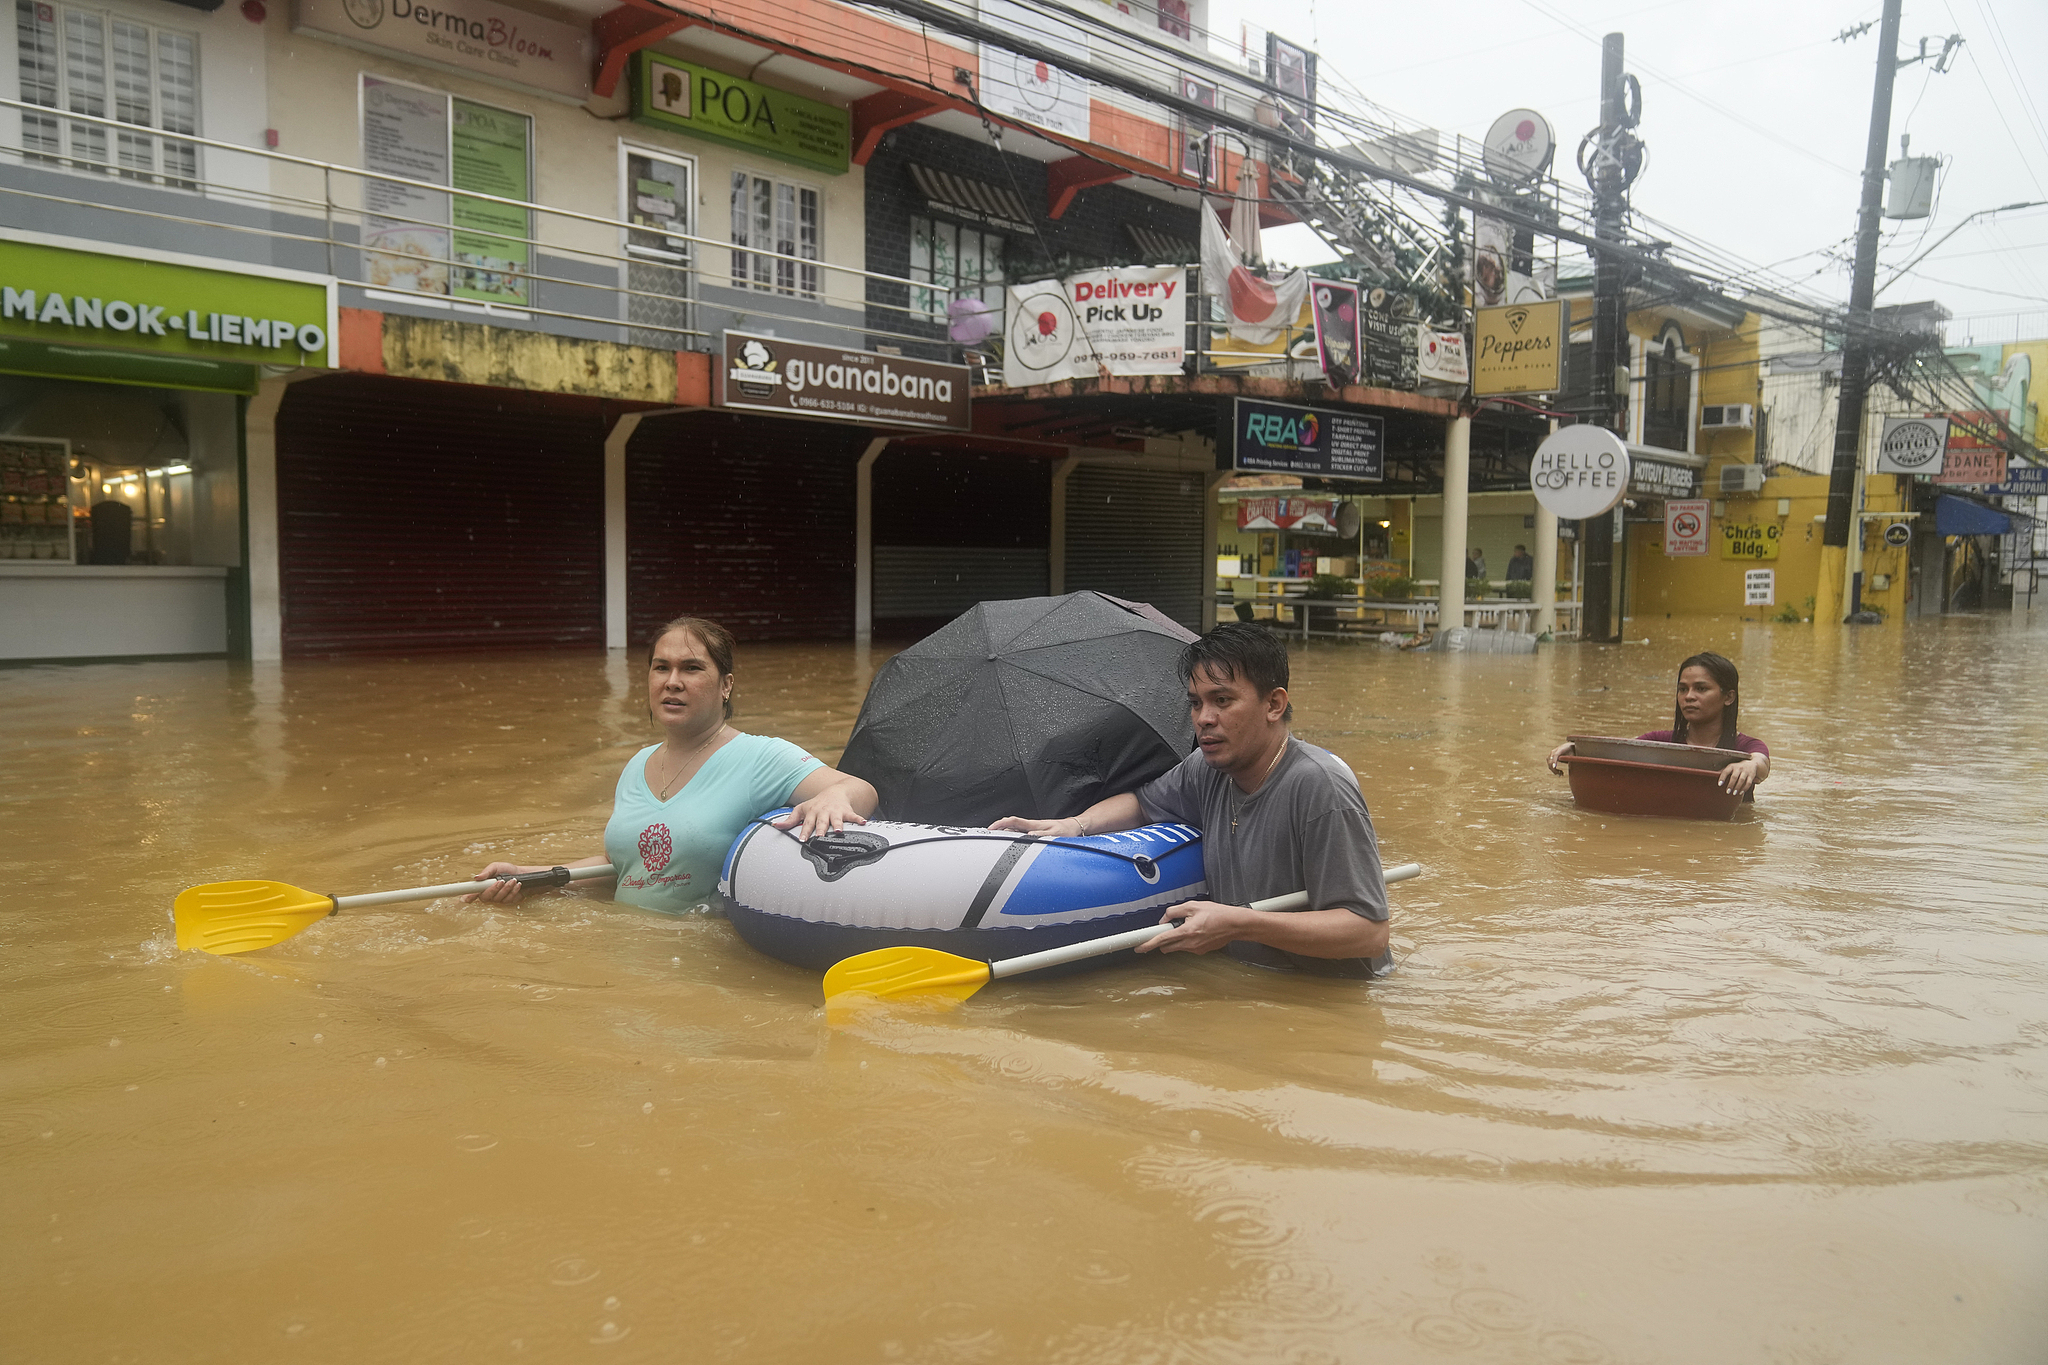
(1389, 588)
(1324, 587)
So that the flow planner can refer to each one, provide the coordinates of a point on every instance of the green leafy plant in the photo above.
(1389, 588)
(1477, 588)
(1788, 615)
(1327, 587)
(1520, 590)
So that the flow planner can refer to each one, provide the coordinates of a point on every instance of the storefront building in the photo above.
(125, 376)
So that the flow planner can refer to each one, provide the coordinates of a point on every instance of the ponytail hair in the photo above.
(1722, 671)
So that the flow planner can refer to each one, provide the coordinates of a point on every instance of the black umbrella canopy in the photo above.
(1040, 707)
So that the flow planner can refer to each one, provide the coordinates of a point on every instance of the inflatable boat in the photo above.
(980, 893)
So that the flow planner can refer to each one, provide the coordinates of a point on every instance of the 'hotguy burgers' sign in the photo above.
(771, 374)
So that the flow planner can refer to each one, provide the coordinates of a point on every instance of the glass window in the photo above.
(778, 217)
(83, 62)
(660, 200)
(1667, 401)
(948, 262)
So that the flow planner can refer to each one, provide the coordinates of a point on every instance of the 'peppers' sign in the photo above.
(686, 98)
(55, 294)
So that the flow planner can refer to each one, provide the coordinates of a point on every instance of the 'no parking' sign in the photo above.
(1685, 527)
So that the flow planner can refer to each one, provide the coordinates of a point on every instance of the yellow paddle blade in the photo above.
(240, 917)
(887, 973)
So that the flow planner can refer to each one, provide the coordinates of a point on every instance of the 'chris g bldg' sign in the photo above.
(797, 379)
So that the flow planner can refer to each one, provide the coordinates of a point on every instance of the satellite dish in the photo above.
(1519, 146)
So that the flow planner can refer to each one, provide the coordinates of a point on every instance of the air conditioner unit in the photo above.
(1727, 417)
(1742, 478)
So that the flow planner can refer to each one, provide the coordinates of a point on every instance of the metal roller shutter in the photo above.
(746, 521)
(953, 528)
(417, 517)
(1137, 533)
(915, 581)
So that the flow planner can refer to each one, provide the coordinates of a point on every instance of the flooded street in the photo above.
(1638, 1090)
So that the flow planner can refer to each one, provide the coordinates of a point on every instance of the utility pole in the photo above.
(1839, 591)
(1613, 168)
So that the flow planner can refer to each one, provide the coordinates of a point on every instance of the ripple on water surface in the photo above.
(1812, 1038)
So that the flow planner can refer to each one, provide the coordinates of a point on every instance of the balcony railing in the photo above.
(585, 275)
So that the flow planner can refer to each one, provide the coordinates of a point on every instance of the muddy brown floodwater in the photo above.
(1638, 1091)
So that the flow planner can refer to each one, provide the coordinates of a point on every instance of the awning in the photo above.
(1960, 517)
(1161, 248)
(996, 205)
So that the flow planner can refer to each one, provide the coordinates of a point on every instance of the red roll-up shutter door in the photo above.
(746, 521)
(416, 517)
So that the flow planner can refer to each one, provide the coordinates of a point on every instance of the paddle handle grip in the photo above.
(1131, 938)
(553, 876)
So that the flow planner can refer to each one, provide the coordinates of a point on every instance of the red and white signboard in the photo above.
(1128, 320)
(1685, 527)
(1288, 514)
(1972, 458)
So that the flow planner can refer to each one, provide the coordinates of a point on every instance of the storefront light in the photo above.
(178, 469)
(1384, 523)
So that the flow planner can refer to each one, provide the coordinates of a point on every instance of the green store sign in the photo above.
(134, 320)
(686, 98)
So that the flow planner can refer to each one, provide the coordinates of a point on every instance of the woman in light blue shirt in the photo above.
(682, 802)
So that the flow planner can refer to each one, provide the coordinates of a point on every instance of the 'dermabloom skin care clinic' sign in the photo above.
(474, 36)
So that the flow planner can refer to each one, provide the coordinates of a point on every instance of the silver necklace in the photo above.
(1243, 797)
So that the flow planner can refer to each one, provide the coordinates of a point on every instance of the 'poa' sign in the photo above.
(1579, 471)
(684, 97)
(1912, 445)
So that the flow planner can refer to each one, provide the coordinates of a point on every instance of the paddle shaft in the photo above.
(553, 876)
(1115, 943)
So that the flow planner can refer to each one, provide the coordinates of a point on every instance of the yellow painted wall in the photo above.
(1711, 585)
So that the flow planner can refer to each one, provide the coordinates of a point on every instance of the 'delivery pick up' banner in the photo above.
(1131, 321)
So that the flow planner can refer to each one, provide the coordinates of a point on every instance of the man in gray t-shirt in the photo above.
(1277, 815)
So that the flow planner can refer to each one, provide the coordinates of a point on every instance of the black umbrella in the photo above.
(1040, 707)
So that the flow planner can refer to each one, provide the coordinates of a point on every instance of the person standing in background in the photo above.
(1521, 566)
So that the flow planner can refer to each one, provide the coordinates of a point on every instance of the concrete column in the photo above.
(1056, 549)
(259, 510)
(864, 542)
(1544, 592)
(1546, 569)
(615, 444)
(1457, 481)
(1209, 542)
